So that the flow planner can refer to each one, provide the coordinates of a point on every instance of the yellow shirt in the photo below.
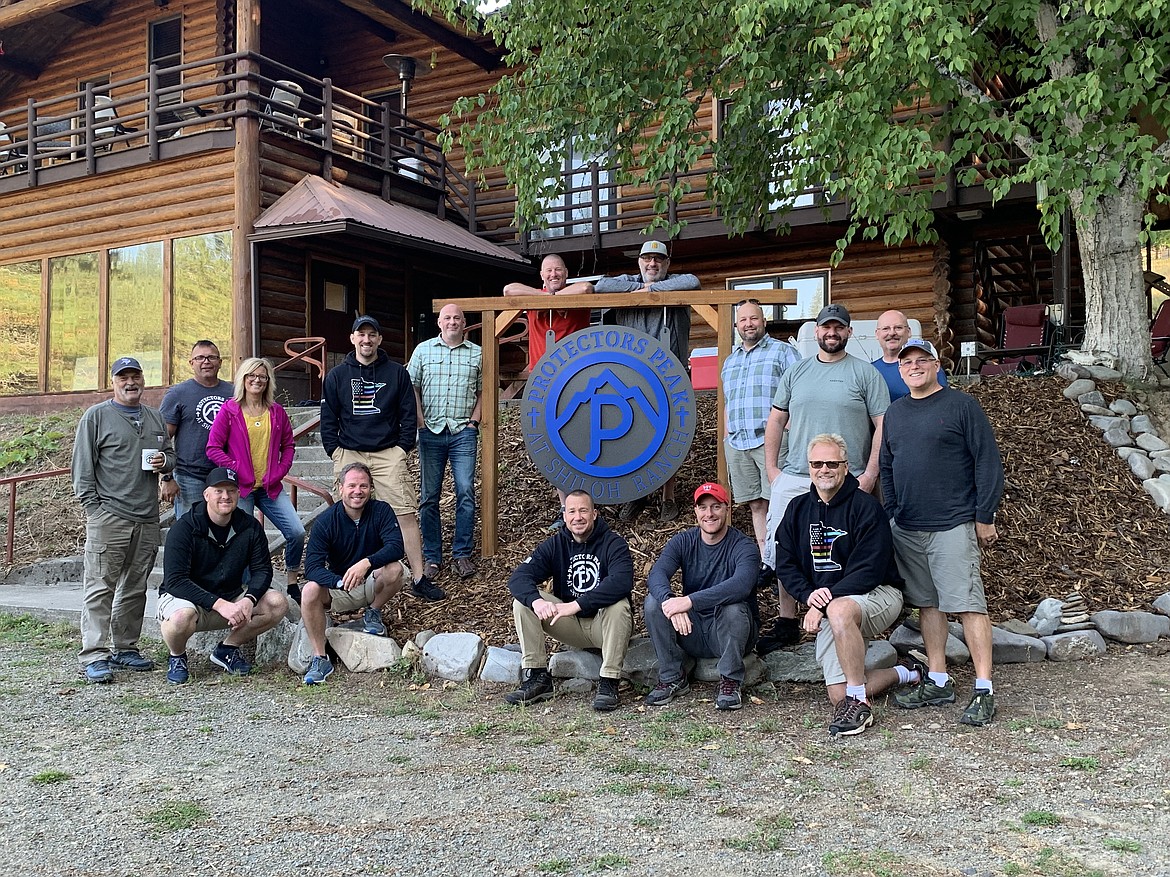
(259, 438)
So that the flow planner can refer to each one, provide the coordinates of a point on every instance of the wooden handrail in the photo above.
(12, 481)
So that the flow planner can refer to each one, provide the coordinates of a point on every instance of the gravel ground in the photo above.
(372, 774)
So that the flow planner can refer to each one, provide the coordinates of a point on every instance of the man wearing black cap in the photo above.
(208, 551)
(369, 416)
(942, 480)
(120, 449)
(716, 615)
(832, 392)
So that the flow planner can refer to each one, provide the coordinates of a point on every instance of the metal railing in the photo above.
(12, 482)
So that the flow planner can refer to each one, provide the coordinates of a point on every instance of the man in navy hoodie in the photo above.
(368, 416)
(836, 554)
(587, 606)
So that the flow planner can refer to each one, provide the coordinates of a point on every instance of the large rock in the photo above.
(1107, 423)
(1014, 648)
(798, 665)
(1147, 441)
(1046, 618)
(1141, 466)
(1118, 438)
(904, 640)
(1159, 491)
(1094, 400)
(1078, 388)
(300, 652)
(361, 652)
(1104, 373)
(1131, 627)
(1142, 423)
(1123, 407)
(501, 666)
(1162, 604)
(272, 646)
(1014, 625)
(1095, 409)
(453, 656)
(575, 664)
(1126, 453)
(1161, 464)
(641, 664)
(1075, 645)
(1070, 371)
(707, 670)
(880, 655)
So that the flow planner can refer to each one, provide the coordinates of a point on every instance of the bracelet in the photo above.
(252, 597)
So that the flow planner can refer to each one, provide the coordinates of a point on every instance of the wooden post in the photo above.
(246, 180)
(489, 433)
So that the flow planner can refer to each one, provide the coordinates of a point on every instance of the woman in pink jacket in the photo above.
(252, 435)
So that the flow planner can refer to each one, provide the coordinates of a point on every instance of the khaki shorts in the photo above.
(393, 482)
(941, 568)
(879, 609)
(745, 469)
(206, 619)
(351, 601)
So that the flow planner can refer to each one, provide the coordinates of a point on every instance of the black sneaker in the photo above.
(629, 511)
(765, 578)
(131, 661)
(607, 695)
(981, 710)
(728, 696)
(177, 673)
(784, 633)
(536, 687)
(665, 692)
(853, 716)
(425, 589)
(229, 659)
(98, 672)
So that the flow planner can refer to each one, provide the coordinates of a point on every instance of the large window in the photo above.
(202, 300)
(785, 158)
(136, 308)
(812, 293)
(164, 48)
(572, 212)
(73, 323)
(20, 328)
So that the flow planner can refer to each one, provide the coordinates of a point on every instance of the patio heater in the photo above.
(408, 70)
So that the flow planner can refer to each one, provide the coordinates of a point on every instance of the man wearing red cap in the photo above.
(716, 615)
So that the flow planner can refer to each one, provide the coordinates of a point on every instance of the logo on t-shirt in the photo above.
(820, 541)
(206, 410)
(584, 573)
(363, 396)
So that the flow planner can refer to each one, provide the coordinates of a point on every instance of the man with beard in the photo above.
(587, 606)
(831, 392)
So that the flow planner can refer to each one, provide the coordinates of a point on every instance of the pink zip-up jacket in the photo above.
(227, 445)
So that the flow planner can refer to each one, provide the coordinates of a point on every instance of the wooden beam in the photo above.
(86, 14)
(428, 27)
(489, 436)
(31, 10)
(354, 19)
(686, 298)
(246, 181)
(23, 69)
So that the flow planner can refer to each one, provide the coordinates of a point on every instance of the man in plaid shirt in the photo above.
(751, 374)
(447, 373)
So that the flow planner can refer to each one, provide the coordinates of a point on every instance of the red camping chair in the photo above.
(1024, 327)
(1160, 336)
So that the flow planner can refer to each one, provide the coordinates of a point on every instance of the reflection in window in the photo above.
(572, 211)
(202, 300)
(73, 323)
(20, 328)
(812, 292)
(136, 308)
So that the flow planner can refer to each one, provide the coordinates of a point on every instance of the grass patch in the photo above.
(482, 730)
(26, 630)
(138, 704)
(1122, 845)
(49, 777)
(558, 796)
(176, 816)
(920, 762)
(873, 863)
(609, 862)
(1081, 762)
(1035, 722)
(1013, 783)
(696, 733)
(628, 766)
(766, 837)
(1042, 818)
(555, 866)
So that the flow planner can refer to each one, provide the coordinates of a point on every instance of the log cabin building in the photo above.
(253, 171)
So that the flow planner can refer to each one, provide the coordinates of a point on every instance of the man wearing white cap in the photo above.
(942, 480)
(121, 448)
(653, 276)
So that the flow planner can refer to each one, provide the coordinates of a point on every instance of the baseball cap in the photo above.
(125, 363)
(833, 312)
(714, 489)
(918, 344)
(657, 248)
(222, 475)
(366, 319)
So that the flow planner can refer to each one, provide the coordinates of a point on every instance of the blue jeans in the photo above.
(190, 492)
(282, 514)
(728, 634)
(434, 452)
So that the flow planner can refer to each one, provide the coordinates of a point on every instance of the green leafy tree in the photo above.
(881, 102)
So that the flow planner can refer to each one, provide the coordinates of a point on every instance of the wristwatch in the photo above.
(168, 477)
(474, 423)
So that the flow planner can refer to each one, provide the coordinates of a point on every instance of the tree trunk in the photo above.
(1116, 311)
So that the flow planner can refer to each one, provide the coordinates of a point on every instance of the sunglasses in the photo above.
(829, 464)
(747, 301)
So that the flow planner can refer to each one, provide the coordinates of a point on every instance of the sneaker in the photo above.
(556, 526)
(98, 672)
(784, 633)
(728, 696)
(177, 669)
(425, 589)
(607, 695)
(132, 661)
(372, 622)
(853, 716)
(229, 659)
(431, 570)
(464, 568)
(914, 665)
(765, 578)
(665, 692)
(320, 669)
(925, 693)
(669, 511)
(630, 510)
(981, 710)
(536, 687)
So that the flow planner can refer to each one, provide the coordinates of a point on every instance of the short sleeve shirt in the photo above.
(448, 380)
(750, 380)
(191, 407)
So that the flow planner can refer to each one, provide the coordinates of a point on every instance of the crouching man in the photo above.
(587, 605)
(352, 563)
(209, 551)
(716, 615)
(837, 555)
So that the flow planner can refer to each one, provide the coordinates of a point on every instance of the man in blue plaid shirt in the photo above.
(751, 374)
(447, 373)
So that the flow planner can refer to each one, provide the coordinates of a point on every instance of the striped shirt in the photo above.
(449, 379)
(750, 379)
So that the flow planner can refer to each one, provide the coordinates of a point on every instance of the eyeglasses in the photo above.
(908, 363)
(258, 379)
(206, 357)
(747, 301)
(828, 464)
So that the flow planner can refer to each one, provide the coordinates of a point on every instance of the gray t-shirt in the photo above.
(838, 397)
(191, 408)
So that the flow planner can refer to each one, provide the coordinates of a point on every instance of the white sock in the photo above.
(906, 675)
(857, 692)
(985, 684)
(940, 679)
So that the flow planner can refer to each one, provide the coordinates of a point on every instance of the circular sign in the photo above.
(610, 411)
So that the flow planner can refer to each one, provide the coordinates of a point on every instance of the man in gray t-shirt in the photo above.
(831, 392)
(189, 409)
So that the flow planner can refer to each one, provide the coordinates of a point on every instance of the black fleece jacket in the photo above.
(202, 570)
